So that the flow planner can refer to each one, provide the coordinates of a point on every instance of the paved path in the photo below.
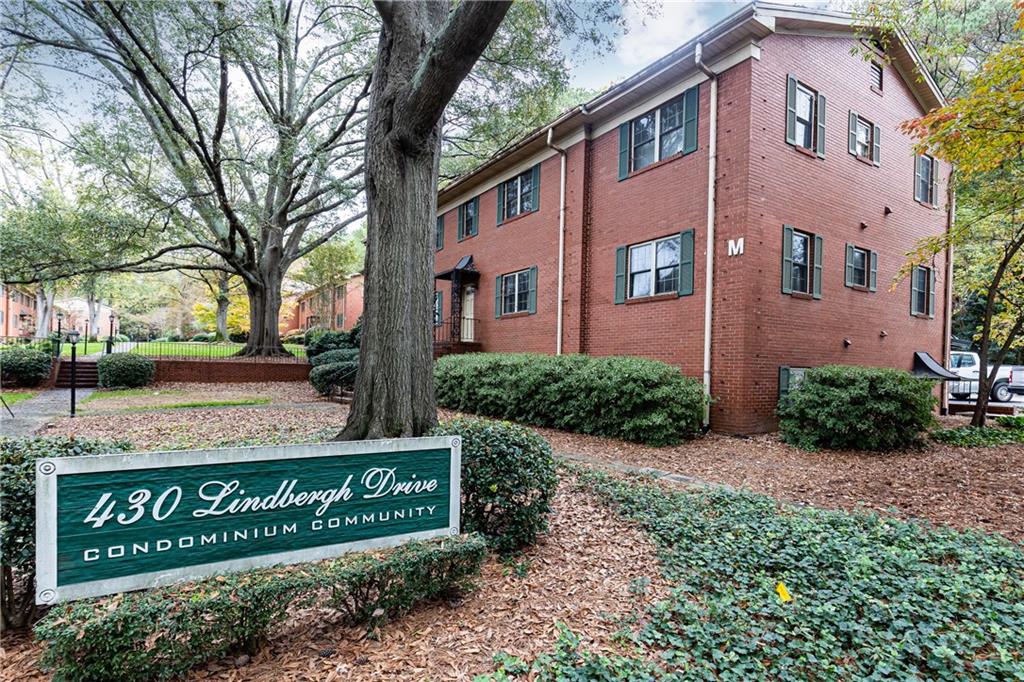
(32, 414)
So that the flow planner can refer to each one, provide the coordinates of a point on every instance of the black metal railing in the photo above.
(202, 350)
(452, 331)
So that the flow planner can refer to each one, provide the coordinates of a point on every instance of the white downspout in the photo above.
(561, 241)
(709, 262)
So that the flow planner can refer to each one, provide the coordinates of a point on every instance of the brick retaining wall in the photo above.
(230, 371)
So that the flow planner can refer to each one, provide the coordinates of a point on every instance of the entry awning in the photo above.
(927, 367)
(464, 268)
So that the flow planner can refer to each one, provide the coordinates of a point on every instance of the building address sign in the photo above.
(111, 523)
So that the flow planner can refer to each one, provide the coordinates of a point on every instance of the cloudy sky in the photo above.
(649, 37)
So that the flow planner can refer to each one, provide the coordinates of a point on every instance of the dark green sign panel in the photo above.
(112, 523)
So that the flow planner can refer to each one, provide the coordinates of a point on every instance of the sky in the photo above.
(649, 37)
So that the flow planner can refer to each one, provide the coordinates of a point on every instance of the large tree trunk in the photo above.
(264, 294)
(44, 309)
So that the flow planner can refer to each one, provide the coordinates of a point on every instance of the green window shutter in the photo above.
(620, 274)
(913, 292)
(849, 265)
(497, 296)
(931, 292)
(476, 215)
(873, 276)
(462, 223)
(787, 259)
(624, 150)
(686, 263)
(876, 147)
(819, 254)
(439, 304)
(852, 134)
(935, 182)
(820, 146)
(917, 178)
(690, 107)
(439, 234)
(535, 198)
(783, 382)
(791, 109)
(531, 300)
(501, 203)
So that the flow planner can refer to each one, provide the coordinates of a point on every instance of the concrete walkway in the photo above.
(32, 414)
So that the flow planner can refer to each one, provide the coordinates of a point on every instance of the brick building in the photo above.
(336, 307)
(772, 138)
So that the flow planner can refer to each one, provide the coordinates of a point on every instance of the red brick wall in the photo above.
(830, 197)
(229, 371)
(762, 183)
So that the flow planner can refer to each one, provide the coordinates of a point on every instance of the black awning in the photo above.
(464, 268)
(927, 367)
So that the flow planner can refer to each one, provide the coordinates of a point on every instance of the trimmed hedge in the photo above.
(336, 355)
(18, 513)
(859, 408)
(623, 397)
(325, 378)
(163, 633)
(24, 366)
(508, 480)
(328, 340)
(125, 370)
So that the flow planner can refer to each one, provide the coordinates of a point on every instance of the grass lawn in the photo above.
(199, 349)
(114, 394)
(15, 397)
(763, 590)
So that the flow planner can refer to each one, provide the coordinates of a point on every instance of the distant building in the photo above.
(335, 307)
(17, 311)
(76, 316)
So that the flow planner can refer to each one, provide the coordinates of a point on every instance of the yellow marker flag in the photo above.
(784, 594)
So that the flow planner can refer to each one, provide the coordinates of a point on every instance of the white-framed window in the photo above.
(859, 259)
(806, 116)
(922, 291)
(438, 305)
(790, 379)
(654, 267)
(924, 188)
(515, 292)
(660, 133)
(518, 195)
(469, 218)
(863, 133)
(800, 280)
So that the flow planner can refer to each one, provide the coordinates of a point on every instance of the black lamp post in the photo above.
(110, 337)
(60, 322)
(73, 338)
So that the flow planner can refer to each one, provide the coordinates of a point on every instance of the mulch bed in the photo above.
(979, 488)
(582, 573)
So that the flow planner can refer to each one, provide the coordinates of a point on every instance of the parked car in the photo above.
(1009, 379)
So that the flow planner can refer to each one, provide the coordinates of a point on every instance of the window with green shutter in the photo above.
(926, 180)
(922, 291)
(439, 233)
(661, 133)
(516, 292)
(861, 268)
(469, 218)
(519, 195)
(865, 139)
(655, 268)
(790, 379)
(805, 116)
(802, 262)
(438, 308)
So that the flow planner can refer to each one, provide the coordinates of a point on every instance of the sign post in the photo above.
(112, 523)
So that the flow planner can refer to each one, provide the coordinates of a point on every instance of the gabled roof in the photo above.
(750, 23)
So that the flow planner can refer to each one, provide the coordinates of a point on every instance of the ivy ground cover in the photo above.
(768, 591)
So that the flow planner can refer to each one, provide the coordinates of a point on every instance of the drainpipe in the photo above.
(561, 240)
(709, 262)
(947, 323)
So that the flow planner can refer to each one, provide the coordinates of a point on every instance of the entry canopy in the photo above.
(464, 268)
(927, 367)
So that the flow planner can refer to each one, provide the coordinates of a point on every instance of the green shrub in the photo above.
(860, 408)
(297, 338)
(205, 338)
(336, 355)
(162, 633)
(24, 366)
(508, 480)
(622, 397)
(329, 340)
(325, 378)
(974, 437)
(1013, 423)
(125, 370)
(18, 514)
